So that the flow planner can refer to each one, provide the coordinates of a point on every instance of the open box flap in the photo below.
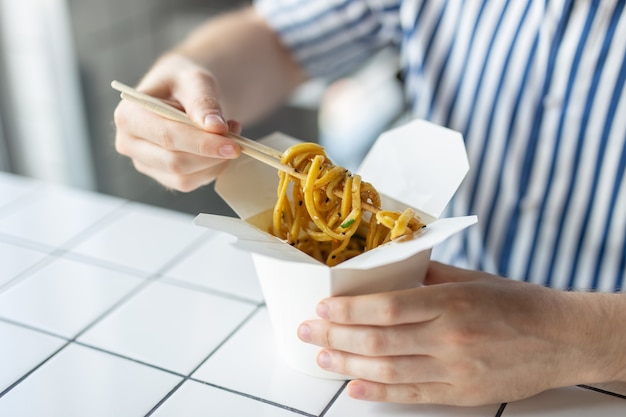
(251, 239)
(420, 164)
(432, 235)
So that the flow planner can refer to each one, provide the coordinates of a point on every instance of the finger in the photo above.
(195, 92)
(134, 121)
(412, 393)
(408, 339)
(382, 309)
(171, 162)
(387, 370)
(199, 96)
(184, 183)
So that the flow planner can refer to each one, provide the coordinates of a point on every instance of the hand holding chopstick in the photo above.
(249, 147)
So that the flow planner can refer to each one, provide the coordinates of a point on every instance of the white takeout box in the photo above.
(419, 165)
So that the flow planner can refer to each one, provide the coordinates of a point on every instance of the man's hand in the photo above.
(465, 338)
(176, 155)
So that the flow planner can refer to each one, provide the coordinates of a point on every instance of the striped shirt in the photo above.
(537, 90)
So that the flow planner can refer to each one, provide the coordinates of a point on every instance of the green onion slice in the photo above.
(347, 224)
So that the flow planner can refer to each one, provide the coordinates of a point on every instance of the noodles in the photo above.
(323, 214)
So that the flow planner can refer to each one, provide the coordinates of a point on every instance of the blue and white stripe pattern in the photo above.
(538, 90)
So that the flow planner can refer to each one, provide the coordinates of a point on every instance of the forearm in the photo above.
(254, 71)
(599, 322)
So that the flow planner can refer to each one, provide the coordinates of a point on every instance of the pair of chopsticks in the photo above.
(249, 147)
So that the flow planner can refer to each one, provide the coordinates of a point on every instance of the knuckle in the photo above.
(459, 336)
(341, 311)
(139, 167)
(195, 73)
(459, 301)
(381, 393)
(327, 336)
(374, 343)
(184, 184)
(175, 164)
(119, 116)
(205, 148)
(464, 370)
(387, 372)
(414, 394)
(391, 310)
(120, 145)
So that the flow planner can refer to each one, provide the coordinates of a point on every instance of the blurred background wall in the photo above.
(44, 125)
(58, 57)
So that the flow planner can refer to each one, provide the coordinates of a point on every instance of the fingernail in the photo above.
(213, 119)
(322, 311)
(304, 333)
(356, 390)
(227, 151)
(323, 360)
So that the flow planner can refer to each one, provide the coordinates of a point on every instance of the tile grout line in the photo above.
(128, 358)
(132, 293)
(501, 410)
(203, 361)
(166, 397)
(27, 374)
(149, 279)
(255, 398)
(96, 226)
(33, 328)
(210, 291)
(66, 253)
(243, 322)
(160, 276)
(72, 241)
(26, 243)
(64, 250)
(123, 300)
(184, 253)
(57, 254)
(66, 343)
(101, 263)
(334, 399)
(52, 252)
(46, 260)
(74, 340)
(232, 391)
(602, 391)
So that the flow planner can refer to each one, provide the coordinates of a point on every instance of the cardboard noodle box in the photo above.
(418, 165)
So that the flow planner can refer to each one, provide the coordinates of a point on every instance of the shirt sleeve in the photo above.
(331, 38)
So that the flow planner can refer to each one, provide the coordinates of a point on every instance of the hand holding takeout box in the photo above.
(419, 165)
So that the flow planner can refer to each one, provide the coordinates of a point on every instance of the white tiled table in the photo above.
(112, 308)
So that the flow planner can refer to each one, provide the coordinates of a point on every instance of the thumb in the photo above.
(199, 96)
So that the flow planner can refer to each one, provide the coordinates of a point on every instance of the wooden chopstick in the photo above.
(253, 149)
